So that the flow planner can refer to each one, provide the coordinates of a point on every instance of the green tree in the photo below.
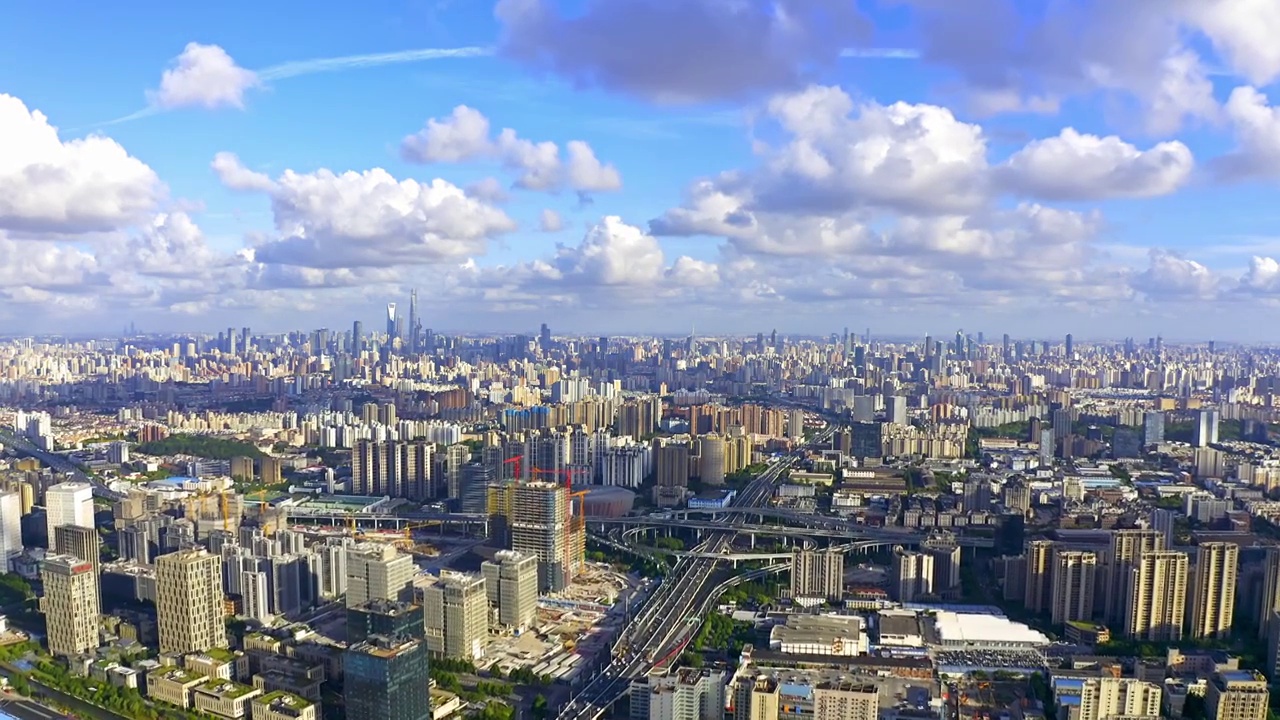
(540, 709)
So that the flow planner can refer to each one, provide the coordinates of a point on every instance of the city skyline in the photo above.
(898, 162)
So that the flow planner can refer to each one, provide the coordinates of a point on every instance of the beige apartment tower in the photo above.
(1214, 599)
(1158, 597)
(378, 572)
(845, 701)
(511, 585)
(1109, 697)
(189, 602)
(70, 604)
(763, 699)
(542, 525)
(1075, 573)
(1039, 575)
(1237, 695)
(817, 573)
(456, 609)
(1126, 547)
(912, 574)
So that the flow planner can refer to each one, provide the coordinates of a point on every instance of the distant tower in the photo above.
(1070, 346)
(391, 321)
(357, 330)
(413, 321)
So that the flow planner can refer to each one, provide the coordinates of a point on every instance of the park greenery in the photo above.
(126, 702)
(755, 593)
(202, 446)
(722, 633)
(14, 589)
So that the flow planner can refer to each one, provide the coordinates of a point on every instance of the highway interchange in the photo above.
(672, 613)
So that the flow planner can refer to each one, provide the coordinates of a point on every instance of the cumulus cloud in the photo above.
(550, 221)
(710, 49)
(1255, 124)
(489, 190)
(1170, 276)
(1262, 277)
(170, 246)
(203, 76)
(1076, 166)
(236, 176)
(48, 185)
(371, 219)
(464, 135)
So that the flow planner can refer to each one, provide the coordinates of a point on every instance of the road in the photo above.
(674, 612)
(57, 462)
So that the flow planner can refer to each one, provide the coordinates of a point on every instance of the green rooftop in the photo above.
(227, 688)
(182, 676)
(220, 654)
(285, 698)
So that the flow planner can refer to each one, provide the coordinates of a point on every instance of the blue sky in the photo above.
(1032, 167)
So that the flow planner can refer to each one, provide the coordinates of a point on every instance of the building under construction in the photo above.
(541, 519)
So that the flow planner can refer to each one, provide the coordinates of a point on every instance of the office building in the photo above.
(845, 700)
(912, 574)
(1206, 431)
(189, 607)
(378, 572)
(1102, 698)
(457, 616)
(69, 503)
(511, 587)
(1158, 597)
(1039, 575)
(10, 528)
(1237, 695)
(387, 678)
(1214, 589)
(1074, 576)
(817, 573)
(281, 705)
(70, 604)
(1153, 427)
(895, 410)
(1123, 552)
(385, 617)
(81, 542)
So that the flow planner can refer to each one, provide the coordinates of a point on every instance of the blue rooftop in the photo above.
(795, 690)
(1239, 676)
(1069, 700)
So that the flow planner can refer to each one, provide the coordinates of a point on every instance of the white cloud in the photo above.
(203, 76)
(489, 190)
(1170, 276)
(1243, 32)
(48, 185)
(236, 176)
(1075, 166)
(171, 246)
(465, 135)
(550, 221)
(371, 219)
(1255, 124)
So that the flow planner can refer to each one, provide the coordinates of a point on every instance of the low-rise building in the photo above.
(173, 685)
(281, 705)
(224, 698)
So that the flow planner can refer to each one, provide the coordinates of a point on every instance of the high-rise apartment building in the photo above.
(912, 574)
(945, 551)
(755, 698)
(81, 542)
(1237, 695)
(1123, 553)
(457, 616)
(69, 503)
(10, 528)
(1158, 596)
(1109, 697)
(1074, 576)
(1153, 427)
(189, 602)
(681, 694)
(1206, 433)
(817, 573)
(1214, 589)
(378, 572)
(1039, 575)
(70, 604)
(393, 468)
(1269, 602)
(387, 678)
(511, 586)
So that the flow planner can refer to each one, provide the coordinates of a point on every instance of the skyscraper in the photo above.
(383, 617)
(945, 552)
(391, 321)
(511, 586)
(69, 503)
(457, 615)
(1074, 575)
(387, 678)
(357, 337)
(912, 574)
(1157, 596)
(189, 602)
(1039, 575)
(541, 526)
(378, 572)
(1214, 599)
(1206, 428)
(1123, 553)
(413, 321)
(10, 528)
(83, 543)
(1069, 346)
(817, 573)
(1153, 427)
(70, 604)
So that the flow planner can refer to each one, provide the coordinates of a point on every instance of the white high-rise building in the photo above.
(10, 527)
(511, 584)
(378, 572)
(69, 503)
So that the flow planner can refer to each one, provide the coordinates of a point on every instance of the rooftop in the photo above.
(978, 628)
(182, 676)
(226, 688)
(1239, 676)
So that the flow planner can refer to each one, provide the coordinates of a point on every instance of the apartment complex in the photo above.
(1214, 589)
(1158, 596)
(189, 606)
(817, 573)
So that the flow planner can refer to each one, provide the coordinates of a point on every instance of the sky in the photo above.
(1033, 167)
